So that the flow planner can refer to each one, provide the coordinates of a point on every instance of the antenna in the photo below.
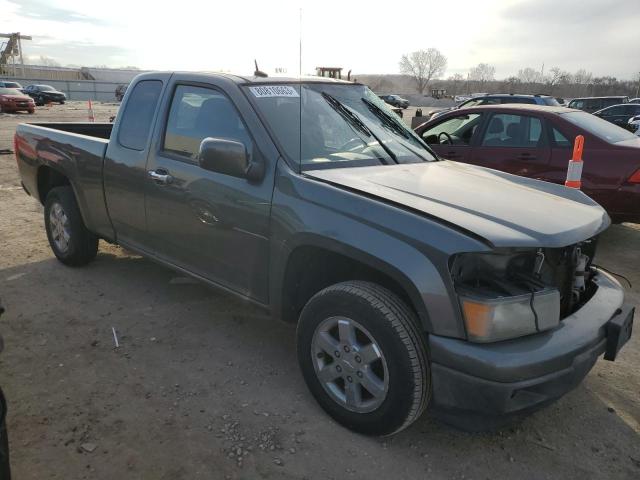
(258, 73)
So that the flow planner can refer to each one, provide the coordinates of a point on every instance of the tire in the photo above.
(61, 102)
(400, 372)
(39, 101)
(68, 236)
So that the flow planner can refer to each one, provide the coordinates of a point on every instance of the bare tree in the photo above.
(482, 73)
(582, 77)
(529, 75)
(555, 77)
(422, 66)
(456, 79)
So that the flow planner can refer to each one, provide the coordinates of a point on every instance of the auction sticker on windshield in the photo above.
(274, 91)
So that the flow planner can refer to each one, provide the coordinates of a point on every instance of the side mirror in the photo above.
(229, 157)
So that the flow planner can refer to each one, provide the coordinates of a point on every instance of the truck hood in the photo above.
(505, 210)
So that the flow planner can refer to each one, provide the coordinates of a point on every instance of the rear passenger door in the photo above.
(513, 143)
(209, 223)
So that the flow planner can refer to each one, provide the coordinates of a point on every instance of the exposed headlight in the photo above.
(502, 295)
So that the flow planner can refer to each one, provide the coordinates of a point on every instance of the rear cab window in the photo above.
(135, 125)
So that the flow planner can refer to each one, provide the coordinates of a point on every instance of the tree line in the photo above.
(426, 67)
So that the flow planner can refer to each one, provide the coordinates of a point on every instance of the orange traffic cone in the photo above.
(574, 172)
(92, 118)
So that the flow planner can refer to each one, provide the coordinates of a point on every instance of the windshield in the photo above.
(599, 127)
(10, 91)
(326, 125)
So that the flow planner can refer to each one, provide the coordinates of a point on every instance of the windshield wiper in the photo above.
(355, 121)
(386, 119)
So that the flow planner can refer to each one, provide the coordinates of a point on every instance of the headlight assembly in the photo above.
(502, 297)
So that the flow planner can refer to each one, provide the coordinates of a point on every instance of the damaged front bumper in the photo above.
(481, 386)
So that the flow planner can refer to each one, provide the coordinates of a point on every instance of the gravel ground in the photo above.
(205, 386)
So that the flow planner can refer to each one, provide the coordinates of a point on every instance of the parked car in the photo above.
(11, 84)
(619, 114)
(634, 125)
(13, 100)
(414, 282)
(500, 99)
(634, 100)
(120, 91)
(43, 94)
(395, 100)
(536, 142)
(593, 104)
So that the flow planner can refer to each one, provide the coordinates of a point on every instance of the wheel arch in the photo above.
(316, 262)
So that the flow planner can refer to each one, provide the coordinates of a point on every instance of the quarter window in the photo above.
(136, 121)
(197, 113)
(560, 140)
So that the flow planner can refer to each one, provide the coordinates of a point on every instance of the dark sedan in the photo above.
(534, 141)
(619, 114)
(395, 100)
(44, 94)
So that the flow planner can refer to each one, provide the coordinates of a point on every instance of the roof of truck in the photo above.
(243, 79)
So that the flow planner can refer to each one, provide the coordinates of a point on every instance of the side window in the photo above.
(507, 130)
(560, 140)
(197, 113)
(459, 130)
(579, 104)
(490, 101)
(518, 100)
(136, 120)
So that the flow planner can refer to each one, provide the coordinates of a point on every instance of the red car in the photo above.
(13, 100)
(536, 141)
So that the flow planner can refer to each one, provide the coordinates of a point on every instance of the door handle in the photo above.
(526, 156)
(161, 177)
(451, 155)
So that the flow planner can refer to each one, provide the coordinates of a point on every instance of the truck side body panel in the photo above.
(78, 157)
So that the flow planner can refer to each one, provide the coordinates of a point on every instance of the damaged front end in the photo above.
(512, 292)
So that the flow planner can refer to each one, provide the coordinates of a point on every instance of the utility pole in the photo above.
(638, 87)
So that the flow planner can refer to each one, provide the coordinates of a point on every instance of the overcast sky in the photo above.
(602, 36)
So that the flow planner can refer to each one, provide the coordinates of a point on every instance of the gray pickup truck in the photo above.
(415, 282)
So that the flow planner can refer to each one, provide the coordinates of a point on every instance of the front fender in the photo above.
(410, 249)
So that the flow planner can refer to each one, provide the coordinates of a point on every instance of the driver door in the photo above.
(451, 138)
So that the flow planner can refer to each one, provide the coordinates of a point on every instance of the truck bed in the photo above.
(98, 130)
(44, 151)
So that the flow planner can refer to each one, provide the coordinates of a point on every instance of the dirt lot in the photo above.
(204, 386)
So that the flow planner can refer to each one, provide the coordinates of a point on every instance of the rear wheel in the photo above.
(68, 236)
(363, 357)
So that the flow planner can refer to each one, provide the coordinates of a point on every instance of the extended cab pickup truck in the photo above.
(415, 282)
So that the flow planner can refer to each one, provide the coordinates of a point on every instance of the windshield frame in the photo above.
(295, 163)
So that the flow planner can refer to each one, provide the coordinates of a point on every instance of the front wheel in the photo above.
(72, 243)
(363, 357)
